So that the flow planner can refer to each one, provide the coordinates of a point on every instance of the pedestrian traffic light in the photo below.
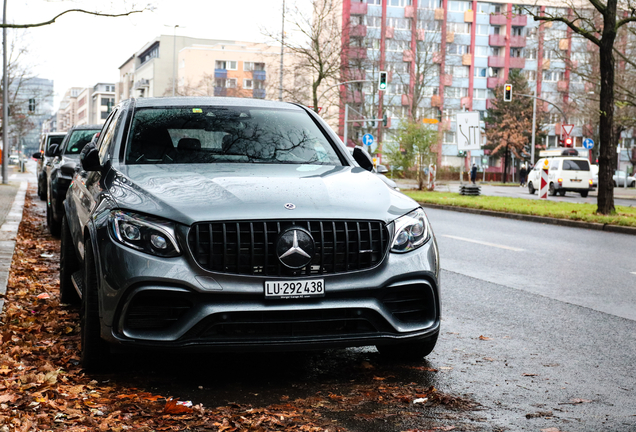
(568, 142)
(385, 120)
(507, 92)
(382, 81)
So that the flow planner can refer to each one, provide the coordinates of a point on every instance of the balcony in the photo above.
(517, 41)
(450, 37)
(464, 102)
(437, 57)
(220, 73)
(407, 56)
(259, 75)
(439, 14)
(410, 12)
(406, 100)
(469, 16)
(220, 91)
(358, 52)
(496, 61)
(258, 93)
(359, 30)
(446, 80)
(421, 34)
(493, 82)
(564, 44)
(436, 101)
(467, 59)
(517, 62)
(563, 86)
(519, 20)
(497, 40)
(389, 32)
(498, 19)
(545, 64)
(358, 8)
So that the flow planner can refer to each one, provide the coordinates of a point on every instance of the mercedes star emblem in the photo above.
(290, 206)
(295, 248)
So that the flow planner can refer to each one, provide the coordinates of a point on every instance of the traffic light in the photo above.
(31, 105)
(507, 92)
(385, 120)
(568, 142)
(382, 81)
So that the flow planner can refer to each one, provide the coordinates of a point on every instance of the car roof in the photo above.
(212, 101)
(83, 127)
(54, 133)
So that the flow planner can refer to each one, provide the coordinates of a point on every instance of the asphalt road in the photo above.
(539, 329)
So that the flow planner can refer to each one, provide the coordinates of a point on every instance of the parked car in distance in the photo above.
(44, 157)
(14, 159)
(59, 172)
(619, 179)
(594, 169)
(566, 174)
(235, 224)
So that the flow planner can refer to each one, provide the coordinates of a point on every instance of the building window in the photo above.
(227, 65)
(248, 84)
(459, 28)
(483, 8)
(449, 137)
(374, 21)
(429, 25)
(517, 31)
(531, 33)
(429, 4)
(399, 23)
(495, 8)
(553, 76)
(226, 83)
(531, 54)
(529, 75)
(456, 92)
(480, 94)
(152, 52)
(481, 51)
(458, 6)
(516, 52)
(480, 72)
(458, 71)
(399, 3)
(482, 30)
(455, 49)
(252, 66)
(104, 115)
(108, 102)
(431, 91)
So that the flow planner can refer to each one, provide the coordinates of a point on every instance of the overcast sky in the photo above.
(81, 50)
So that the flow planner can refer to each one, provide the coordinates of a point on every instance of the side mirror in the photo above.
(89, 158)
(381, 169)
(37, 155)
(363, 158)
(52, 150)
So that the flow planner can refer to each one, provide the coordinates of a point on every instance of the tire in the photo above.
(69, 264)
(632, 184)
(531, 188)
(42, 189)
(409, 351)
(95, 351)
(584, 194)
(615, 185)
(54, 226)
(561, 192)
(552, 190)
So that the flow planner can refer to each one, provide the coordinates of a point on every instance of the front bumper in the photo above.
(172, 303)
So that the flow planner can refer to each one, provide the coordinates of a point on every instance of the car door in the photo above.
(83, 199)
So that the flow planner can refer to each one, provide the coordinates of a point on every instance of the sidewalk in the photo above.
(11, 207)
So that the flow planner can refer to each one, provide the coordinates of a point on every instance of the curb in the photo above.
(539, 219)
(8, 231)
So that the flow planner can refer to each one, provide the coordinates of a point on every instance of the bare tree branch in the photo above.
(52, 20)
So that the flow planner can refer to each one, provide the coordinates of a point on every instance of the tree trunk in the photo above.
(608, 139)
(505, 170)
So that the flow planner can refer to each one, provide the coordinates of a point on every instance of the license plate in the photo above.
(576, 180)
(291, 289)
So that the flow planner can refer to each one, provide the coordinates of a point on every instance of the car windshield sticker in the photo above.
(197, 110)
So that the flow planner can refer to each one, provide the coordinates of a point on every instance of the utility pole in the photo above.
(5, 97)
(174, 59)
(534, 124)
(282, 53)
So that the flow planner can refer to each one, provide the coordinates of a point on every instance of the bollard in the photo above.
(543, 192)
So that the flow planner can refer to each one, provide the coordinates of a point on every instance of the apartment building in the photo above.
(446, 56)
(95, 103)
(67, 111)
(235, 69)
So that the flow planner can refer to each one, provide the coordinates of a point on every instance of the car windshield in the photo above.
(576, 165)
(79, 139)
(227, 135)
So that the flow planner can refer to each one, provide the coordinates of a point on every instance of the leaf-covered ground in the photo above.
(42, 386)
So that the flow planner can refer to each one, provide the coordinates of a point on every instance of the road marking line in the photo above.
(484, 243)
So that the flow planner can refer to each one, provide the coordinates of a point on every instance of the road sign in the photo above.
(588, 143)
(567, 129)
(367, 139)
(430, 121)
(468, 132)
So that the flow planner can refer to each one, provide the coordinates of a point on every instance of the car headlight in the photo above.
(144, 233)
(411, 231)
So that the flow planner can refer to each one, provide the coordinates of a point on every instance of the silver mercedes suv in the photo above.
(236, 224)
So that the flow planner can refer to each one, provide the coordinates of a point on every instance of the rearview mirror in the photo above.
(37, 155)
(89, 158)
(363, 158)
(381, 169)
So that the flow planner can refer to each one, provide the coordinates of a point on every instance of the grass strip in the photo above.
(624, 216)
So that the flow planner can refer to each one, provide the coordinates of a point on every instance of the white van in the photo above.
(566, 174)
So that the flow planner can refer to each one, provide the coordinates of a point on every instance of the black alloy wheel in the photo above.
(552, 190)
(531, 188)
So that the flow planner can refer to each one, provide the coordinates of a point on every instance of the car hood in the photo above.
(198, 192)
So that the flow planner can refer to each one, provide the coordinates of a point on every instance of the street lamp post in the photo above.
(534, 117)
(174, 60)
(282, 53)
(5, 98)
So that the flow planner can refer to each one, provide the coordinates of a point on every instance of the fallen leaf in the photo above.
(174, 407)
(550, 430)
(482, 337)
(529, 374)
(580, 401)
